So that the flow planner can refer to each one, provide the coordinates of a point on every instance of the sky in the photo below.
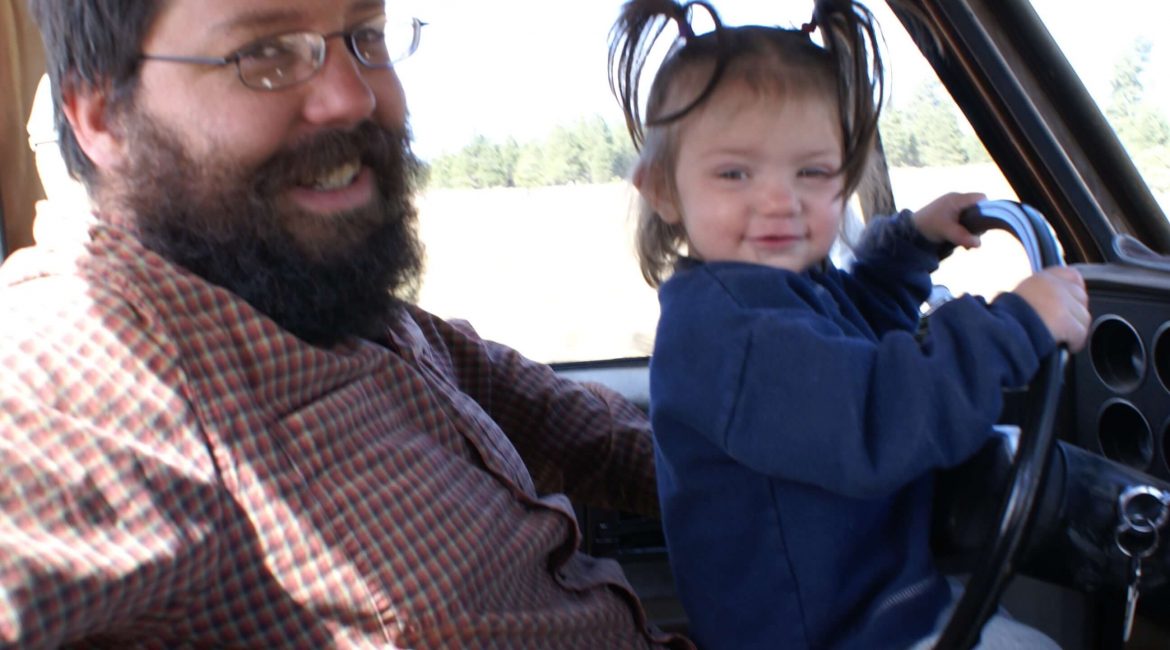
(519, 68)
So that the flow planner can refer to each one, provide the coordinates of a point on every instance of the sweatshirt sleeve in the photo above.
(790, 395)
(890, 277)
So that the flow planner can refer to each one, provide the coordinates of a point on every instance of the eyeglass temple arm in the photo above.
(205, 60)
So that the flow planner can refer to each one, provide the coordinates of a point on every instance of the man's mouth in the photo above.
(333, 179)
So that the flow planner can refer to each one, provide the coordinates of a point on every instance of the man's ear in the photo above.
(97, 133)
(651, 183)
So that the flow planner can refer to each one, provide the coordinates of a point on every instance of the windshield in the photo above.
(1123, 58)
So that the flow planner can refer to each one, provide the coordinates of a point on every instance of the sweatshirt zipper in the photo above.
(901, 596)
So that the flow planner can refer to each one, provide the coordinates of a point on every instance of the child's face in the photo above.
(756, 179)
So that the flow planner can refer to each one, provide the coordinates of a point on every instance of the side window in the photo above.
(547, 270)
(1126, 69)
(526, 215)
(931, 149)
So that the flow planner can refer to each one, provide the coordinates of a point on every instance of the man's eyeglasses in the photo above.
(286, 59)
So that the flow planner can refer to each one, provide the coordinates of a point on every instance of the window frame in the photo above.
(984, 54)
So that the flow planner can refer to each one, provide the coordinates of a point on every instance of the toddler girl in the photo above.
(797, 416)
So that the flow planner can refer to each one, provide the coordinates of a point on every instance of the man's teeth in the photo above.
(337, 178)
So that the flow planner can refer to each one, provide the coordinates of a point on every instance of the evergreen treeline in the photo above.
(924, 133)
(589, 151)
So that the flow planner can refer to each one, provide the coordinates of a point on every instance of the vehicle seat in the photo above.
(65, 196)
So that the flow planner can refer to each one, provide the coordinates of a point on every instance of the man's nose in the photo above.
(339, 94)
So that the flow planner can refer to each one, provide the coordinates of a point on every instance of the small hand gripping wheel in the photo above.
(996, 562)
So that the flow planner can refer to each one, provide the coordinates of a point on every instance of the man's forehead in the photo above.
(225, 17)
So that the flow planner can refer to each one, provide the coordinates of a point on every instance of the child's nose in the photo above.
(778, 198)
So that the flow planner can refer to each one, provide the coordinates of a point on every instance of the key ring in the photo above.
(1143, 508)
(1126, 542)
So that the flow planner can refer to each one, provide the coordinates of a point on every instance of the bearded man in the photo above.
(222, 423)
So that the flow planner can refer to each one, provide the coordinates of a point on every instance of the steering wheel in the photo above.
(996, 563)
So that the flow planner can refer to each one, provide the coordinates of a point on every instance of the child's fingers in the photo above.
(938, 220)
(956, 233)
(966, 199)
(966, 238)
(1078, 307)
(1077, 330)
(1058, 295)
(1069, 275)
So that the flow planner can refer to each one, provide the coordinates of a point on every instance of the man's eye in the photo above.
(368, 35)
(269, 51)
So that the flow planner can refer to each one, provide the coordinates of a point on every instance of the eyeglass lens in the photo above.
(291, 58)
(281, 61)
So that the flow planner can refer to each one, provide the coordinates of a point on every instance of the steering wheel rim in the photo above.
(996, 562)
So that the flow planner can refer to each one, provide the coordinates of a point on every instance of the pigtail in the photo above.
(850, 37)
(632, 38)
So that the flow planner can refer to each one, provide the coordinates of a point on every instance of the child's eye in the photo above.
(733, 174)
(815, 172)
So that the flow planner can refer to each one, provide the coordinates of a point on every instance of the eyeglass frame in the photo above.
(318, 62)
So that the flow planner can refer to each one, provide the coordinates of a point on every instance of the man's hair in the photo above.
(92, 45)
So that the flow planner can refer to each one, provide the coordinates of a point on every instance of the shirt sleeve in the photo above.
(785, 392)
(108, 499)
(890, 277)
(581, 439)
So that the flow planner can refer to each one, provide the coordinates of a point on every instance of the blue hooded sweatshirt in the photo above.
(798, 419)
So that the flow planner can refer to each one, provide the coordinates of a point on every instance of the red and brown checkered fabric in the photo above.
(180, 472)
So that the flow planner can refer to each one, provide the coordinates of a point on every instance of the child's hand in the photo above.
(1058, 295)
(938, 221)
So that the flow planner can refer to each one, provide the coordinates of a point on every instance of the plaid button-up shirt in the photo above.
(178, 471)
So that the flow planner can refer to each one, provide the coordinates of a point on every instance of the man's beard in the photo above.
(229, 226)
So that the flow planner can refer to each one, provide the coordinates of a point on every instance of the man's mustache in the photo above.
(381, 149)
